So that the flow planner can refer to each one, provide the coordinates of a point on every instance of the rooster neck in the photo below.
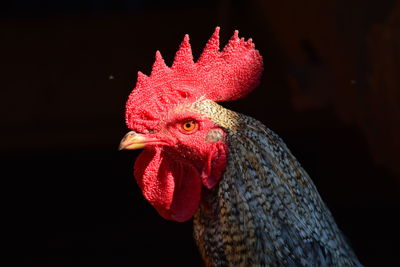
(265, 209)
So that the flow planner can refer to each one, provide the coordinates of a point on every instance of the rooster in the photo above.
(252, 202)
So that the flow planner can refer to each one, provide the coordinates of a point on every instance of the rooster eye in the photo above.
(189, 126)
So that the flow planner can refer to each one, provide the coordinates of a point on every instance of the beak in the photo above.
(133, 140)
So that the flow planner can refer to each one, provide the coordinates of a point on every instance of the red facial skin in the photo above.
(173, 171)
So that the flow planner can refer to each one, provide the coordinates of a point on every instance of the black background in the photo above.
(67, 68)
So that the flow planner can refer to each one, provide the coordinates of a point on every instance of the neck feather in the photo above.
(266, 209)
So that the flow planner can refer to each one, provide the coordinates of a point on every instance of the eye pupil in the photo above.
(189, 126)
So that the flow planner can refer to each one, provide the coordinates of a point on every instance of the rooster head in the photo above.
(185, 150)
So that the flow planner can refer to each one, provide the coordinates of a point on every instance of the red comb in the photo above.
(217, 75)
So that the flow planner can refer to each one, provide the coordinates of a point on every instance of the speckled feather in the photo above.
(266, 210)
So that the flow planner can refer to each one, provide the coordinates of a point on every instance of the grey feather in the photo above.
(266, 210)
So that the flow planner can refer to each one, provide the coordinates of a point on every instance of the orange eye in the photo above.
(189, 126)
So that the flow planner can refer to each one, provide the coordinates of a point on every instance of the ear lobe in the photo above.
(214, 135)
(215, 165)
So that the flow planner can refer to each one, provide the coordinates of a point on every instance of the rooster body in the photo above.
(252, 202)
(266, 210)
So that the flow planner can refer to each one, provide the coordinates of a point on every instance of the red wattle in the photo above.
(171, 186)
(215, 165)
